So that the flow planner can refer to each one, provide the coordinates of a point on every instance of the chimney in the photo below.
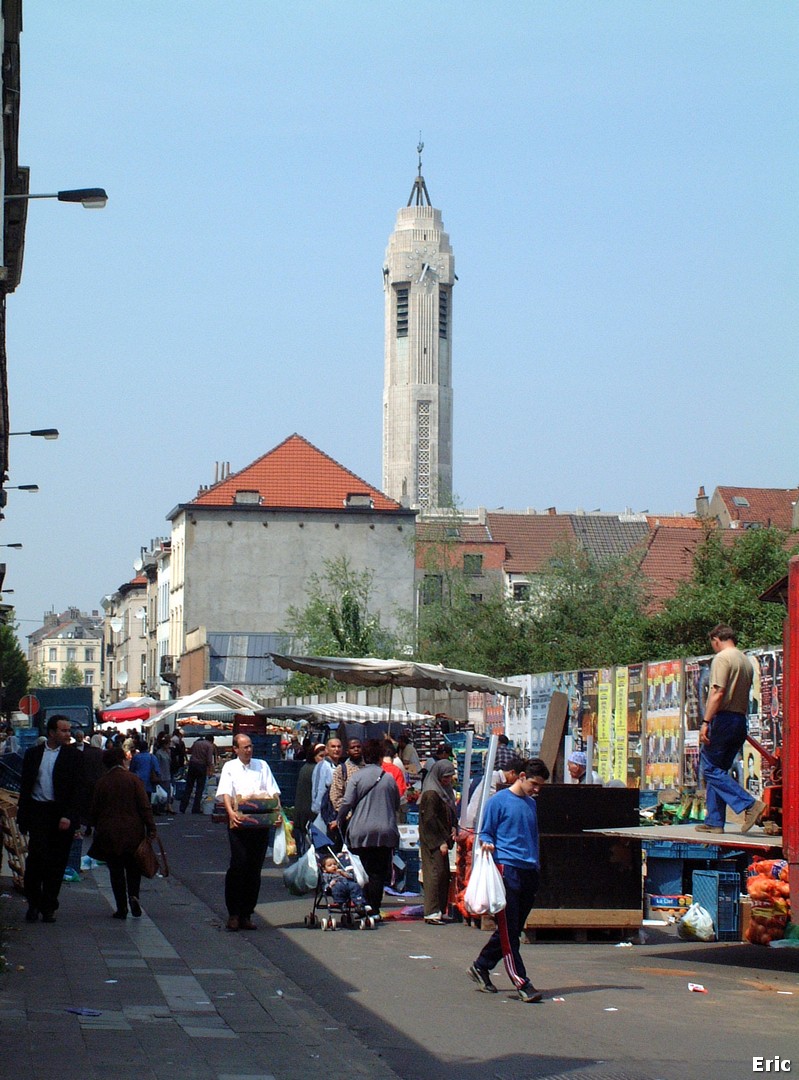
(552, 511)
(702, 503)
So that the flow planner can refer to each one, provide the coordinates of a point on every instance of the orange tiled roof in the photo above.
(530, 539)
(295, 475)
(673, 521)
(767, 506)
(669, 559)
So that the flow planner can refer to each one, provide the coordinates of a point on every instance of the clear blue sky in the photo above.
(619, 184)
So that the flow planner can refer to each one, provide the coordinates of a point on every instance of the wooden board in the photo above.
(584, 918)
(756, 840)
(557, 715)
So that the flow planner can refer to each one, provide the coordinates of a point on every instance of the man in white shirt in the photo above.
(244, 777)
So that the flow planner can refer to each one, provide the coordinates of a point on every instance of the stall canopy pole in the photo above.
(491, 757)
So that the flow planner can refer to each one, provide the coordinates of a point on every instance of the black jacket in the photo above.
(69, 784)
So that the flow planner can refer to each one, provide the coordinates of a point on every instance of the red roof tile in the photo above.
(673, 521)
(669, 559)
(766, 506)
(295, 475)
(531, 540)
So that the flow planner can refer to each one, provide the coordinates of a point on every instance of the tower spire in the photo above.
(419, 195)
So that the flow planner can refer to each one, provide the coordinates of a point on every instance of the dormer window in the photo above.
(740, 500)
(247, 498)
(359, 500)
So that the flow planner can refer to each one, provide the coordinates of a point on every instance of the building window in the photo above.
(432, 588)
(521, 590)
(88, 677)
(476, 597)
(423, 453)
(53, 656)
(443, 313)
(52, 677)
(403, 293)
(89, 656)
(472, 565)
(71, 655)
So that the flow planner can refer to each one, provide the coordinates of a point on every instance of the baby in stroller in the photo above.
(337, 883)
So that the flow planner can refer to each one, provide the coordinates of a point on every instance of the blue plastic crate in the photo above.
(718, 891)
(673, 849)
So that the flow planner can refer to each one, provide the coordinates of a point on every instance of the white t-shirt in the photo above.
(43, 790)
(246, 780)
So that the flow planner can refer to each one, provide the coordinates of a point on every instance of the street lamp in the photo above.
(90, 198)
(42, 433)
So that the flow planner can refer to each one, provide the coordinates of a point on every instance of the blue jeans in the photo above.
(521, 886)
(727, 734)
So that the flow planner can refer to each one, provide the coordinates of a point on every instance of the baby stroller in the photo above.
(329, 912)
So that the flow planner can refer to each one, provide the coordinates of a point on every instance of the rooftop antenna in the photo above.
(419, 193)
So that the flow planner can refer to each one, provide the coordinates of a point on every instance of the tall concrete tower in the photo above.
(418, 276)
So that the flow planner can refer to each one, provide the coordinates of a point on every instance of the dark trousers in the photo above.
(243, 878)
(520, 889)
(377, 864)
(435, 871)
(125, 879)
(48, 852)
(195, 780)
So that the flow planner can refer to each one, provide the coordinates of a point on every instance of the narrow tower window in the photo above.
(443, 313)
(402, 310)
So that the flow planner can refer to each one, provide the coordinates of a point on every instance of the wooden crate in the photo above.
(14, 842)
(578, 923)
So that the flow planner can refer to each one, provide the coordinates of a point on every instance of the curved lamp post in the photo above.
(42, 433)
(93, 198)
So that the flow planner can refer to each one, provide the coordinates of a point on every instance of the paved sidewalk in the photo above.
(170, 996)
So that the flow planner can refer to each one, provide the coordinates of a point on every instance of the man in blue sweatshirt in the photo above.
(510, 831)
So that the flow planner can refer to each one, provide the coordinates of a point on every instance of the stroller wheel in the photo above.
(363, 924)
(325, 922)
(310, 920)
(372, 922)
(333, 924)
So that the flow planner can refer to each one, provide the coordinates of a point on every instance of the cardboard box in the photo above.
(667, 907)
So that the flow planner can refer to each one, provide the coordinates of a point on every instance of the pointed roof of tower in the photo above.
(419, 195)
(296, 475)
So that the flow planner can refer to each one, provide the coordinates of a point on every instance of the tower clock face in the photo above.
(425, 266)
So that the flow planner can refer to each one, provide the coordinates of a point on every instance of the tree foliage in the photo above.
(728, 578)
(587, 612)
(336, 621)
(13, 670)
(71, 675)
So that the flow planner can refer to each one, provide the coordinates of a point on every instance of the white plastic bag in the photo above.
(485, 893)
(696, 925)
(279, 849)
(301, 877)
(358, 869)
(160, 797)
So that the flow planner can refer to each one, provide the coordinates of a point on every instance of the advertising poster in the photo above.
(527, 714)
(662, 724)
(604, 732)
(589, 705)
(628, 713)
(517, 715)
(697, 683)
(765, 718)
(568, 683)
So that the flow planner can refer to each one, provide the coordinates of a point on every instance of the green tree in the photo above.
(37, 677)
(13, 670)
(337, 621)
(730, 572)
(71, 675)
(587, 612)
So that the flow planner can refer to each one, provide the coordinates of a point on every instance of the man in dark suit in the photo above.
(50, 800)
(93, 769)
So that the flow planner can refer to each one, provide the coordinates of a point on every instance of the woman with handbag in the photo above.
(373, 799)
(436, 836)
(122, 817)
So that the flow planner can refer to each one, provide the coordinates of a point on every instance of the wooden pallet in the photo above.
(577, 924)
(14, 842)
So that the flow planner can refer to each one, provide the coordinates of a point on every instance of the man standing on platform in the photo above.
(244, 777)
(51, 796)
(722, 734)
(510, 831)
